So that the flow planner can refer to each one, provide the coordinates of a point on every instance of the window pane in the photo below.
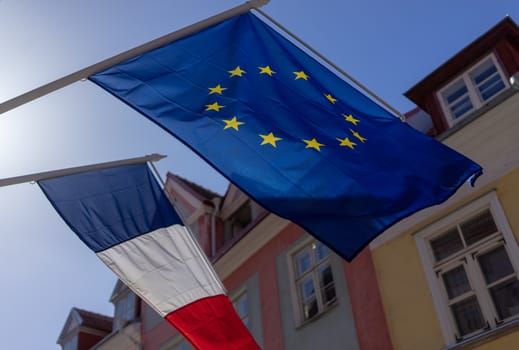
(478, 227)
(467, 315)
(495, 265)
(309, 302)
(447, 244)
(246, 322)
(492, 90)
(310, 309)
(461, 107)
(325, 275)
(238, 221)
(484, 71)
(457, 99)
(244, 306)
(489, 82)
(506, 298)
(454, 92)
(456, 282)
(491, 87)
(487, 79)
(321, 251)
(303, 262)
(307, 288)
(241, 305)
(327, 285)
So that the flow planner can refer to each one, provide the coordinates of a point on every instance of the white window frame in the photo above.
(489, 201)
(236, 297)
(473, 93)
(294, 293)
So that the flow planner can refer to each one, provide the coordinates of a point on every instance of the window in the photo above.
(238, 221)
(241, 305)
(313, 280)
(472, 89)
(124, 310)
(469, 259)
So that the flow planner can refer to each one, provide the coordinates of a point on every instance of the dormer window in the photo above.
(473, 89)
(238, 221)
(124, 309)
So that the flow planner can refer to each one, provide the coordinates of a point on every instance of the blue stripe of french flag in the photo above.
(122, 214)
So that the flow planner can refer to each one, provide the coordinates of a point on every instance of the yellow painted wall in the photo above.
(508, 193)
(405, 295)
(506, 342)
(408, 304)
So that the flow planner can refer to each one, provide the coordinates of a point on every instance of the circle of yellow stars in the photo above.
(350, 141)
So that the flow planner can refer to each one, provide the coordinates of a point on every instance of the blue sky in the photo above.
(44, 269)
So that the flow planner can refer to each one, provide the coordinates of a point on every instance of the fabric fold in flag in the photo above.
(123, 215)
(289, 132)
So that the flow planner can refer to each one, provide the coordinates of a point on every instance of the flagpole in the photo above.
(337, 68)
(70, 171)
(157, 174)
(154, 44)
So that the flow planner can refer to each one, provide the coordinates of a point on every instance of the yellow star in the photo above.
(346, 142)
(216, 90)
(266, 70)
(357, 135)
(214, 107)
(232, 123)
(351, 119)
(330, 98)
(301, 75)
(237, 72)
(270, 139)
(313, 144)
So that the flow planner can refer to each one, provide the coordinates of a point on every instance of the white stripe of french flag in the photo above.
(124, 217)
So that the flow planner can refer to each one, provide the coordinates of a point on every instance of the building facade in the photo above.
(448, 275)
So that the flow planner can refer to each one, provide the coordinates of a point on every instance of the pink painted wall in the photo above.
(366, 304)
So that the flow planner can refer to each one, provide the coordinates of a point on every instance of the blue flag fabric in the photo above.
(109, 206)
(289, 132)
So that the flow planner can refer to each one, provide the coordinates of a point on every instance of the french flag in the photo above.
(122, 214)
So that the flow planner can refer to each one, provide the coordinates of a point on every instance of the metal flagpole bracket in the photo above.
(69, 171)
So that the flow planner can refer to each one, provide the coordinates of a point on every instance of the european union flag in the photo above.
(289, 132)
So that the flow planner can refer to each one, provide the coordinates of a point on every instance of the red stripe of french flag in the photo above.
(212, 323)
(168, 270)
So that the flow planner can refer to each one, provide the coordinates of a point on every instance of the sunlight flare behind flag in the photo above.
(289, 132)
(123, 215)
